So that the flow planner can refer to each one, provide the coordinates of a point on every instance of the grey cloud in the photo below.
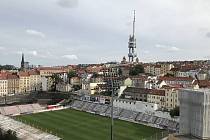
(2, 48)
(35, 33)
(70, 56)
(97, 26)
(208, 34)
(167, 47)
(68, 3)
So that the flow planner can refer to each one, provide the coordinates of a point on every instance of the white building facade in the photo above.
(137, 106)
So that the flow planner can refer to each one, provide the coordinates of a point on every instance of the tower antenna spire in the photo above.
(134, 20)
(132, 42)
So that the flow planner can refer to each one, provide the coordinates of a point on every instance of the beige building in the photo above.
(35, 81)
(127, 82)
(75, 81)
(49, 71)
(3, 85)
(24, 82)
(63, 87)
(171, 97)
(9, 84)
(158, 69)
(13, 84)
(165, 68)
(157, 97)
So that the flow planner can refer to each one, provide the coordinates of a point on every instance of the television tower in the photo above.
(132, 43)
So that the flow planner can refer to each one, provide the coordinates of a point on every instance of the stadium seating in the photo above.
(91, 107)
(145, 118)
(11, 110)
(24, 131)
(25, 108)
(139, 117)
(158, 121)
(155, 120)
(100, 109)
(20, 109)
(172, 125)
(116, 112)
(37, 107)
(77, 104)
(164, 122)
(152, 119)
(85, 106)
(128, 114)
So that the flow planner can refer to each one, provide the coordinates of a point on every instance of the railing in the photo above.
(157, 136)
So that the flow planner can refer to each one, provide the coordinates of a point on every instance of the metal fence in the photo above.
(157, 136)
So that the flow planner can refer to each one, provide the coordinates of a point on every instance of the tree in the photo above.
(71, 74)
(95, 75)
(76, 87)
(136, 70)
(169, 75)
(9, 135)
(174, 112)
(7, 67)
(120, 71)
(56, 79)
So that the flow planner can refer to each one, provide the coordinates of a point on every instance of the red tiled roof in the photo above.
(139, 77)
(24, 74)
(202, 83)
(176, 78)
(8, 76)
(145, 91)
(12, 76)
(34, 72)
(174, 69)
(50, 68)
(3, 77)
(157, 66)
(171, 86)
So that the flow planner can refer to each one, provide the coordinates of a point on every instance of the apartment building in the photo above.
(3, 85)
(13, 83)
(35, 80)
(24, 82)
(171, 97)
(9, 84)
(47, 83)
(157, 97)
(49, 71)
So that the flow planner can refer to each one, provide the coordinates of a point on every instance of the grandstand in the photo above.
(77, 104)
(24, 131)
(100, 109)
(20, 109)
(116, 112)
(129, 115)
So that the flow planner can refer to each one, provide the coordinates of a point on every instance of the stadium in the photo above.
(71, 119)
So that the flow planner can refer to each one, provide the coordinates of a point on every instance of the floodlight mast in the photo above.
(112, 119)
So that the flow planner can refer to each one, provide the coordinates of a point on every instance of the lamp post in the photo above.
(110, 74)
(112, 119)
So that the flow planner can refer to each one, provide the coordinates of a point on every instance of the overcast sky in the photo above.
(60, 32)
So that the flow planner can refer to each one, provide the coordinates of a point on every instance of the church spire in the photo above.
(22, 62)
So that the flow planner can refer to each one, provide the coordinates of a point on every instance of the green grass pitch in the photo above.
(76, 125)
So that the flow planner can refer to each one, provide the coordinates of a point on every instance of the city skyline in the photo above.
(71, 31)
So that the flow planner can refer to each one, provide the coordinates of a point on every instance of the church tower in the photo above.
(132, 43)
(22, 62)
